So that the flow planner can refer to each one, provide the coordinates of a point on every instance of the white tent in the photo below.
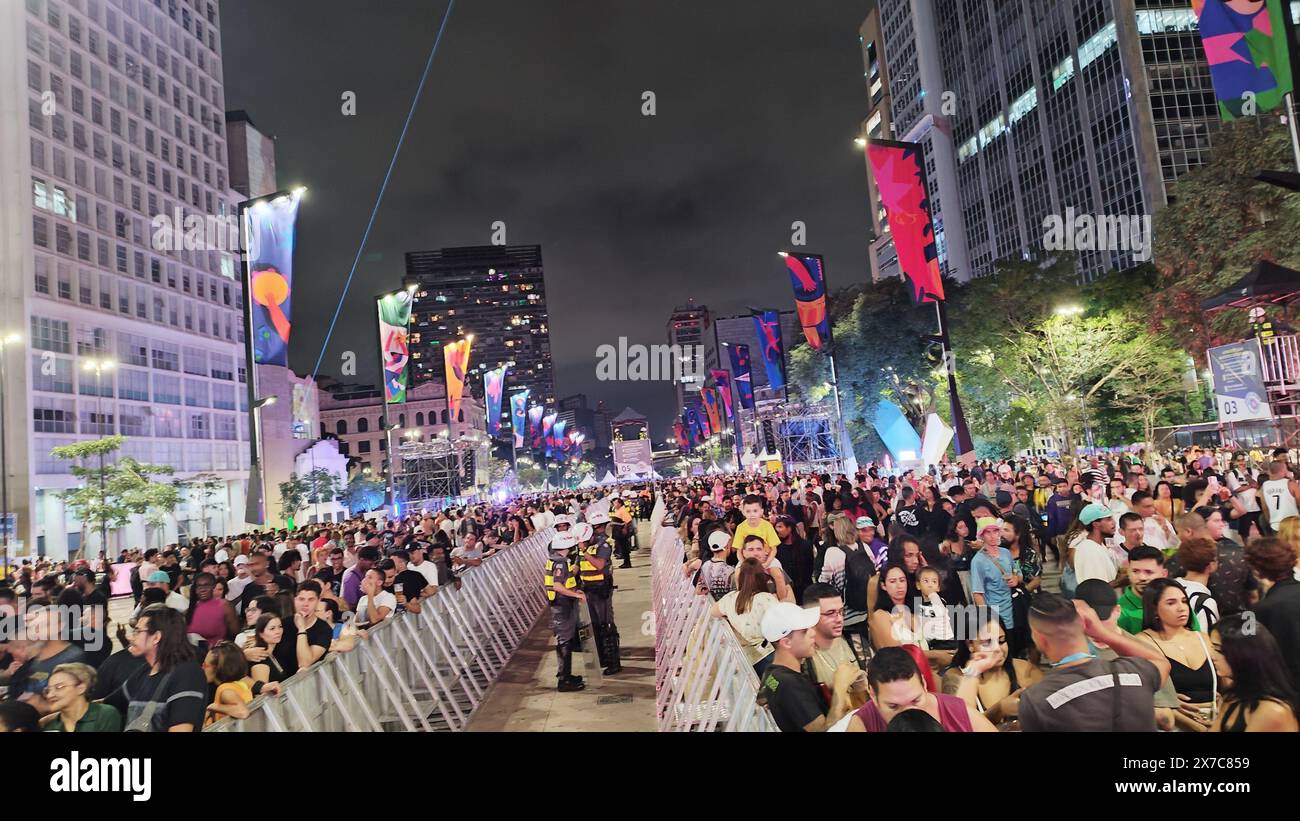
(609, 478)
(654, 474)
(587, 482)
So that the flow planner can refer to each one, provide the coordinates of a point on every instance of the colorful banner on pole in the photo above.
(548, 432)
(808, 276)
(694, 423)
(724, 389)
(493, 382)
(679, 430)
(767, 324)
(269, 234)
(743, 376)
(900, 180)
(535, 426)
(710, 400)
(518, 416)
(394, 322)
(455, 357)
(1246, 46)
(561, 443)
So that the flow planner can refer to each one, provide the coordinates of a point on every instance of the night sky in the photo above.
(532, 115)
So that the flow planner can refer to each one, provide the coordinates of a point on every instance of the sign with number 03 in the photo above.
(1239, 382)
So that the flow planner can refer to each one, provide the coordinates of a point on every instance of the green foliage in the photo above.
(530, 475)
(362, 495)
(110, 493)
(293, 496)
(1220, 221)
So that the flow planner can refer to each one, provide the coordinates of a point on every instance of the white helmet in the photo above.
(582, 531)
(599, 517)
(563, 541)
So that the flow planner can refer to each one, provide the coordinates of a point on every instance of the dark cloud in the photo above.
(532, 116)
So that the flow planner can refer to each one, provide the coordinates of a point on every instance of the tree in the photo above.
(206, 489)
(293, 496)
(1154, 376)
(530, 475)
(1219, 222)
(110, 494)
(363, 494)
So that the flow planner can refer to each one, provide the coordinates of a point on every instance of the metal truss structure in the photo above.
(804, 432)
(428, 473)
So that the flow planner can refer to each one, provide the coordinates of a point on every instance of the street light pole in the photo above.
(99, 365)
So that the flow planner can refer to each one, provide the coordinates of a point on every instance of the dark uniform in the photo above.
(599, 587)
(564, 616)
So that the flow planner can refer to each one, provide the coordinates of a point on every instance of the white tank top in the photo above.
(1278, 500)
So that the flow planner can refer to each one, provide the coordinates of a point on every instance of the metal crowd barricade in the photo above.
(703, 682)
(417, 672)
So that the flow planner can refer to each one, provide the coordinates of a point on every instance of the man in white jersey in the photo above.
(1280, 494)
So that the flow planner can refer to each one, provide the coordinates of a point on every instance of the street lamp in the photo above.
(99, 365)
(5, 342)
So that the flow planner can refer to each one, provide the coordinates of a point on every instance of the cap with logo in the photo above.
(862, 522)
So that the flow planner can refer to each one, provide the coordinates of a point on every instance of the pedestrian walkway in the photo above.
(524, 698)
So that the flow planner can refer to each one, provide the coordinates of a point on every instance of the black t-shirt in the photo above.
(97, 643)
(116, 669)
(286, 652)
(792, 698)
(409, 583)
(181, 696)
(911, 519)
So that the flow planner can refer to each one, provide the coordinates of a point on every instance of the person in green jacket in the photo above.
(68, 692)
(1145, 564)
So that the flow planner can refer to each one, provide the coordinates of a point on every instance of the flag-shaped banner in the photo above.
(561, 443)
(679, 430)
(269, 235)
(493, 382)
(1246, 46)
(394, 321)
(518, 411)
(694, 424)
(711, 410)
(900, 180)
(724, 390)
(743, 376)
(535, 426)
(455, 357)
(808, 276)
(767, 324)
(548, 432)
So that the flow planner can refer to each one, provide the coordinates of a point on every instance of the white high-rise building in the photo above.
(112, 113)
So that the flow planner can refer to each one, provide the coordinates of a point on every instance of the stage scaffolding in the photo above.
(428, 473)
(803, 432)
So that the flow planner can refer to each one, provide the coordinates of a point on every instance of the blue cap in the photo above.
(1092, 513)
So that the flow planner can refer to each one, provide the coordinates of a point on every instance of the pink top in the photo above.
(952, 715)
(210, 620)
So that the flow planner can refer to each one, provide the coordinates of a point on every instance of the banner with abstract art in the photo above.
(455, 357)
(709, 398)
(743, 376)
(493, 382)
(679, 431)
(535, 426)
(900, 180)
(394, 322)
(723, 380)
(518, 416)
(808, 276)
(695, 424)
(561, 444)
(1246, 47)
(767, 324)
(269, 236)
(548, 432)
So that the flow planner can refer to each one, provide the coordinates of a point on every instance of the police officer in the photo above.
(561, 583)
(595, 568)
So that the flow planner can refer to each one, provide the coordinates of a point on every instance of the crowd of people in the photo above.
(220, 621)
(1128, 591)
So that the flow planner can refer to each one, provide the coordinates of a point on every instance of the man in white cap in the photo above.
(1092, 558)
(562, 593)
(795, 702)
(235, 587)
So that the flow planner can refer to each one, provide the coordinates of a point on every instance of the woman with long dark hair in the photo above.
(209, 614)
(268, 634)
(1258, 695)
(1165, 616)
(744, 607)
(995, 692)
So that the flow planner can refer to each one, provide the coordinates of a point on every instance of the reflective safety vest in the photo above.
(590, 575)
(570, 583)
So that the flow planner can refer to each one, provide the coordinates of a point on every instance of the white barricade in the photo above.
(703, 682)
(417, 672)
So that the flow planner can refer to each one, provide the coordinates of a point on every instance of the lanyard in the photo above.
(1074, 657)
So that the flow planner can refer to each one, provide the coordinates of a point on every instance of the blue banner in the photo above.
(269, 233)
(767, 324)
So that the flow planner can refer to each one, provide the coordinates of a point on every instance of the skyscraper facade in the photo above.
(498, 294)
(117, 129)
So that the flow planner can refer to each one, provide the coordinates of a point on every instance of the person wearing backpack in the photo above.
(850, 568)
